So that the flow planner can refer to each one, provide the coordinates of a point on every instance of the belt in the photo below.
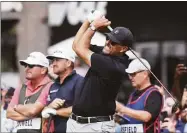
(84, 120)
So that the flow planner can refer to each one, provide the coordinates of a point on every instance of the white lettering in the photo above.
(57, 12)
(128, 129)
(74, 11)
(29, 124)
(25, 123)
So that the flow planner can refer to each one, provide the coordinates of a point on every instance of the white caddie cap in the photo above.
(62, 54)
(136, 66)
(36, 58)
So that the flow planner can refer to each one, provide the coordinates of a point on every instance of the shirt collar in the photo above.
(45, 80)
(70, 75)
(138, 92)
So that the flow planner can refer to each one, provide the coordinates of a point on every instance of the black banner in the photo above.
(149, 21)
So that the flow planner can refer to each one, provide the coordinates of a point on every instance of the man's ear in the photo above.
(44, 70)
(124, 49)
(68, 63)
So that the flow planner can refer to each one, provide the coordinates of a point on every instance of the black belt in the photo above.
(84, 120)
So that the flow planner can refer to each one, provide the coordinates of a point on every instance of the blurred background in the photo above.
(160, 30)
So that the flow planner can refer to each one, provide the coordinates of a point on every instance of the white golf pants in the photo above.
(105, 126)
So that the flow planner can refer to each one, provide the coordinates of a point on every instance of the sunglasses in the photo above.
(31, 66)
(111, 42)
(134, 74)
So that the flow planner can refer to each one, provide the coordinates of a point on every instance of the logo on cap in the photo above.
(32, 56)
(58, 51)
(116, 32)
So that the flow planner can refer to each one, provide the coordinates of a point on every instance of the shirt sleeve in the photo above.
(96, 49)
(44, 94)
(154, 104)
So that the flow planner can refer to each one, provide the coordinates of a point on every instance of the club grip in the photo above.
(110, 28)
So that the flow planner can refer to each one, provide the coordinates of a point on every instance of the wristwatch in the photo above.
(92, 27)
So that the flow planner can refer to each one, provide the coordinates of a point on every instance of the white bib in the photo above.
(130, 128)
(29, 124)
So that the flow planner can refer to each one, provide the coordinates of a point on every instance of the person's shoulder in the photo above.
(77, 74)
(180, 126)
(47, 87)
(53, 86)
(48, 84)
(155, 93)
(124, 59)
(180, 123)
(155, 90)
(79, 78)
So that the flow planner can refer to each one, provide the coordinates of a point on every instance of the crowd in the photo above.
(55, 98)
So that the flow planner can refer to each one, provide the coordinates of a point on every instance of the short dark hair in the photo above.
(10, 92)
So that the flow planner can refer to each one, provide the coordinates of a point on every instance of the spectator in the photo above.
(171, 123)
(7, 125)
(180, 72)
(145, 103)
(29, 100)
(184, 119)
(184, 97)
(64, 88)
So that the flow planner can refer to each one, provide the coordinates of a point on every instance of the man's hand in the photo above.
(184, 98)
(94, 14)
(160, 89)
(47, 112)
(168, 124)
(184, 116)
(118, 117)
(101, 22)
(56, 103)
(180, 70)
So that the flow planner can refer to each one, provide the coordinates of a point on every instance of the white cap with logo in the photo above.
(36, 58)
(136, 66)
(62, 54)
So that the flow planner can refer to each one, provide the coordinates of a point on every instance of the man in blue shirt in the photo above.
(62, 92)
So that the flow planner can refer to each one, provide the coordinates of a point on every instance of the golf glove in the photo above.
(47, 112)
(94, 14)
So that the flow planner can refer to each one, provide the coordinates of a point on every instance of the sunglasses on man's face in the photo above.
(134, 74)
(31, 66)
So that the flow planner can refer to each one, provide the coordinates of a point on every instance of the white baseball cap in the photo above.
(62, 54)
(36, 58)
(136, 66)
